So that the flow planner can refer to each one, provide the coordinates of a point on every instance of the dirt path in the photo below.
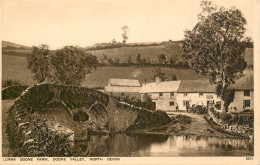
(6, 105)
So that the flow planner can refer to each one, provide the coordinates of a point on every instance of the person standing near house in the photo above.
(177, 108)
(187, 108)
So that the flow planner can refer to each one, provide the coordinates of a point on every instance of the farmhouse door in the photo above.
(154, 106)
(210, 103)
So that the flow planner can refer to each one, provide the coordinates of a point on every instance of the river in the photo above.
(136, 145)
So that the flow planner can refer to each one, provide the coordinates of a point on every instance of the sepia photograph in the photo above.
(113, 78)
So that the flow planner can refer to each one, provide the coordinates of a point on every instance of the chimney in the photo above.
(158, 80)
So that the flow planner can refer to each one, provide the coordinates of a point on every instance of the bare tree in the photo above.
(125, 30)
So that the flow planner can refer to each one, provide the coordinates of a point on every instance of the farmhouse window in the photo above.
(172, 94)
(246, 93)
(185, 94)
(200, 94)
(185, 103)
(246, 103)
(171, 103)
(160, 95)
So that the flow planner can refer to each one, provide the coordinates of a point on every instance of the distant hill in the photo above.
(148, 51)
(13, 49)
(6, 45)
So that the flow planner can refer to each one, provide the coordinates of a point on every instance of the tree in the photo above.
(129, 60)
(71, 64)
(148, 102)
(104, 58)
(110, 60)
(162, 58)
(174, 78)
(116, 60)
(138, 59)
(113, 42)
(171, 61)
(143, 61)
(214, 46)
(125, 30)
(38, 62)
(157, 72)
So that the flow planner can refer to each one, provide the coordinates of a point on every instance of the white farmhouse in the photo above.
(163, 94)
(123, 85)
(244, 93)
(196, 92)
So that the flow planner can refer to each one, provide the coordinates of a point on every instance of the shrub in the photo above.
(76, 117)
(80, 116)
(12, 92)
(215, 113)
(226, 117)
(183, 119)
(247, 111)
(8, 83)
(199, 109)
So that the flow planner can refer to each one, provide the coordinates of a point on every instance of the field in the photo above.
(149, 53)
(15, 68)
(100, 77)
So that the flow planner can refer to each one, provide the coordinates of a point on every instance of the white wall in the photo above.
(239, 101)
(164, 102)
(122, 89)
(196, 99)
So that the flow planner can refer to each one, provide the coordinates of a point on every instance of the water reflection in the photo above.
(164, 145)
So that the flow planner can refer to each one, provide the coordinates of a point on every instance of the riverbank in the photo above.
(197, 127)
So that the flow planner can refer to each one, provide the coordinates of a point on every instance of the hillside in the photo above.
(15, 68)
(6, 45)
(148, 52)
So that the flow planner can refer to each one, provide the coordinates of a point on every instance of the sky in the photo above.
(85, 22)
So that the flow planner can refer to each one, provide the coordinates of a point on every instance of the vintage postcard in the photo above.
(130, 82)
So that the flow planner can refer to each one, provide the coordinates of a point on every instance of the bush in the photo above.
(8, 83)
(215, 113)
(247, 111)
(183, 119)
(226, 117)
(80, 116)
(238, 119)
(199, 109)
(13, 92)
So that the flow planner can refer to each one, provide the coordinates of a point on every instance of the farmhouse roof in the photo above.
(196, 86)
(167, 86)
(124, 82)
(244, 83)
